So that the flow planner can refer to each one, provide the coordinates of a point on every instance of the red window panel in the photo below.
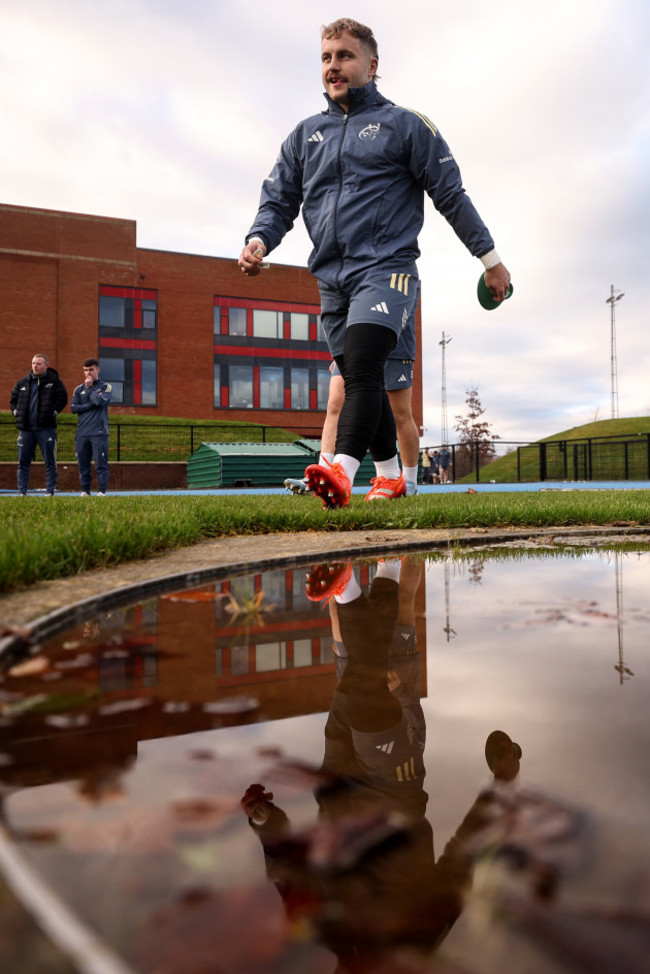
(313, 399)
(225, 397)
(287, 398)
(137, 382)
(256, 387)
(263, 353)
(142, 293)
(286, 306)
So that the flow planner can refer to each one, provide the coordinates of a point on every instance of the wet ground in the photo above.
(240, 775)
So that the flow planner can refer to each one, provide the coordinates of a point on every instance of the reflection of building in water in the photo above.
(157, 670)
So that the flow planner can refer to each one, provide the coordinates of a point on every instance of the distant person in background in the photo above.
(444, 465)
(90, 403)
(426, 467)
(35, 402)
(435, 469)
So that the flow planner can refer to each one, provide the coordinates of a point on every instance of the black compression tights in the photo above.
(366, 420)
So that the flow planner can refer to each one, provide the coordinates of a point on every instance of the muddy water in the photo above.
(241, 778)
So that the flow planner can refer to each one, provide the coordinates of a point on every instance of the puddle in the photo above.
(241, 778)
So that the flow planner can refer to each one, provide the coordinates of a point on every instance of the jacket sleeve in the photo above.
(434, 168)
(76, 404)
(13, 400)
(60, 397)
(102, 396)
(281, 197)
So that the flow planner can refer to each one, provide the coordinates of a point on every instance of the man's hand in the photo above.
(251, 258)
(88, 380)
(497, 280)
(256, 803)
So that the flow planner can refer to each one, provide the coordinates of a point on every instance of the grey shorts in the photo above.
(398, 373)
(389, 300)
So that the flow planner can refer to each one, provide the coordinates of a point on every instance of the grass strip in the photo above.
(46, 539)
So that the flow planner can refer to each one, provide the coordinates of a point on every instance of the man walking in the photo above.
(359, 171)
(90, 403)
(36, 400)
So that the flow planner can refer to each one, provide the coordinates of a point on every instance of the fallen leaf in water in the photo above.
(31, 667)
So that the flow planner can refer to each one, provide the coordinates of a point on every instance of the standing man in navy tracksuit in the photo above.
(359, 172)
(90, 402)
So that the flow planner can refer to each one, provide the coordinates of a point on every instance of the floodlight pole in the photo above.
(616, 295)
(444, 432)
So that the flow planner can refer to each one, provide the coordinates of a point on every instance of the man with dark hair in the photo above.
(360, 170)
(90, 403)
(35, 402)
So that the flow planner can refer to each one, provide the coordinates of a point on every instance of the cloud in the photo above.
(173, 114)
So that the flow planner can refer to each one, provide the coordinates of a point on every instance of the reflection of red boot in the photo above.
(327, 580)
(384, 489)
(330, 482)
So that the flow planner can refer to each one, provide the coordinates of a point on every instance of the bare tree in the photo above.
(475, 435)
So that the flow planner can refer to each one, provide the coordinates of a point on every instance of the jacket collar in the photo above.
(360, 98)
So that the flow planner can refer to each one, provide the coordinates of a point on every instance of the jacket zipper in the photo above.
(338, 196)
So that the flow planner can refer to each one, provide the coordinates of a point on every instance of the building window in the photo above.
(113, 311)
(217, 386)
(149, 314)
(240, 386)
(300, 388)
(271, 387)
(237, 321)
(322, 387)
(267, 355)
(112, 370)
(299, 327)
(128, 344)
(148, 382)
(267, 324)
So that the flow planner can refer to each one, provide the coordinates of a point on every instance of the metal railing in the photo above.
(158, 442)
(594, 458)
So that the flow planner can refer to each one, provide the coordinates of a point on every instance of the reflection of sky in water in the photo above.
(534, 654)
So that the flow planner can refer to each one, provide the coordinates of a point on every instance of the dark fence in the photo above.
(595, 458)
(499, 461)
(157, 442)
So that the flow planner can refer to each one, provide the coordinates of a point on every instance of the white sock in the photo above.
(411, 473)
(388, 468)
(349, 464)
(327, 457)
(389, 569)
(351, 592)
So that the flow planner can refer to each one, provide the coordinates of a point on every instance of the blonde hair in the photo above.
(334, 30)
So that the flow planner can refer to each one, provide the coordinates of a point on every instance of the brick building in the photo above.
(176, 334)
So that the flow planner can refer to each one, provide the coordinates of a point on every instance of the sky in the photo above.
(172, 114)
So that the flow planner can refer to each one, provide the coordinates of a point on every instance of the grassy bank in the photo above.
(42, 539)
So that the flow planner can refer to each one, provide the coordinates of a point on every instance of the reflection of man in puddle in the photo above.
(366, 877)
(502, 756)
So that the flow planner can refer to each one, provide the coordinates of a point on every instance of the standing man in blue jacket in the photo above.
(36, 401)
(360, 170)
(90, 403)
